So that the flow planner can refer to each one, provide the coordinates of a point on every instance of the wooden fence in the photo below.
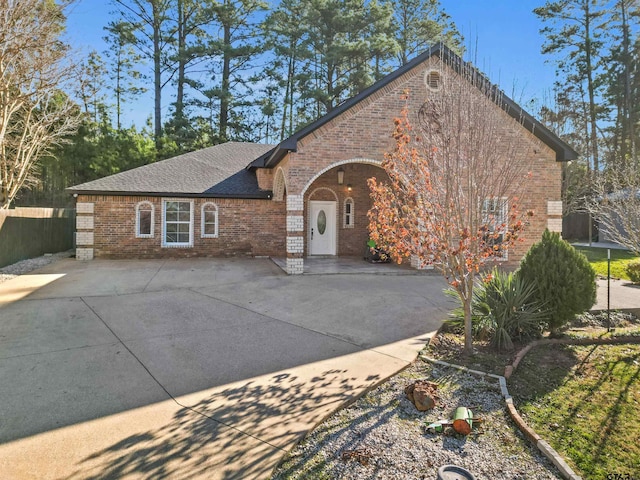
(27, 232)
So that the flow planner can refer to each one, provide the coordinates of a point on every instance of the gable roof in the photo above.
(217, 171)
(563, 151)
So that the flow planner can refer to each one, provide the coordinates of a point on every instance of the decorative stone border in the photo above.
(544, 447)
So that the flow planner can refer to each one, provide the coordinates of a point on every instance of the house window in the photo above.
(348, 213)
(209, 218)
(494, 219)
(177, 219)
(144, 220)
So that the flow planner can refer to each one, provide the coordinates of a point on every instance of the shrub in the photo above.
(632, 269)
(564, 278)
(504, 308)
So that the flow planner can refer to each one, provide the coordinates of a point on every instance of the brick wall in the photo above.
(364, 132)
(351, 240)
(352, 140)
(245, 227)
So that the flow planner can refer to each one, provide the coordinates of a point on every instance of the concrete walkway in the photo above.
(191, 368)
(623, 296)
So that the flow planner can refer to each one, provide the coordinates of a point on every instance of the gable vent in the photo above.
(433, 80)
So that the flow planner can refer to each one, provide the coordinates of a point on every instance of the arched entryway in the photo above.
(335, 202)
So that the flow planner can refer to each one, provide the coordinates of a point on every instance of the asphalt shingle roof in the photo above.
(217, 171)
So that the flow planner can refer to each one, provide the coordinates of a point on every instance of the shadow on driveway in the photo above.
(192, 368)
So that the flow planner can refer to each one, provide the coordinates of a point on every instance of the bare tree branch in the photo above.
(35, 115)
(454, 196)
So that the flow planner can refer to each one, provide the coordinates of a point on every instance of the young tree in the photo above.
(616, 205)
(124, 65)
(35, 116)
(452, 197)
(565, 281)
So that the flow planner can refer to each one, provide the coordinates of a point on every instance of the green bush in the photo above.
(564, 278)
(633, 271)
(504, 308)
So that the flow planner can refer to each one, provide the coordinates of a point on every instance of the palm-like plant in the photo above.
(504, 309)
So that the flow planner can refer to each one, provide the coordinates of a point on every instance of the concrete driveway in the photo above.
(203, 368)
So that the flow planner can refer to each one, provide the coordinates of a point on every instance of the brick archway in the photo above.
(296, 245)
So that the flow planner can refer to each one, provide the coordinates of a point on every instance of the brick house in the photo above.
(306, 196)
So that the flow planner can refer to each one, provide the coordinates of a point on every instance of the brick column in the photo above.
(295, 234)
(84, 231)
(554, 215)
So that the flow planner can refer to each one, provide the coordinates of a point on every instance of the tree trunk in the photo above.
(591, 90)
(629, 117)
(181, 63)
(466, 294)
(157, 81)
(226, 84)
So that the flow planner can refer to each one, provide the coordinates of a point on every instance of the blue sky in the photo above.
(506, 33)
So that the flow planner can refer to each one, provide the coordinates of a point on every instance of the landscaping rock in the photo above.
(423, 394)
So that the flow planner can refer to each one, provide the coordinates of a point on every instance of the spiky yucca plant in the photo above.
(504, 309)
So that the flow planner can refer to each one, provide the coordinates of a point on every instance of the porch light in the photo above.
(349, 187)
(340, 176)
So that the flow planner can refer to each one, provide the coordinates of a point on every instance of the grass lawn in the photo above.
(585, 401)
(598, 259)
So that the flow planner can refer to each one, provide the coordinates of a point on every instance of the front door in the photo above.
(322, 228)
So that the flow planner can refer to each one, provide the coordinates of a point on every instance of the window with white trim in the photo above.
(209, 220)
(494, 219)
(348, 213)
(144, 220)
(177, 222)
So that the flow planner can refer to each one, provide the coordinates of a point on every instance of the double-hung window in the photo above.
(494, 218)
(177, 216)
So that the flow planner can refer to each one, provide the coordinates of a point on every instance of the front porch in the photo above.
(346, 265)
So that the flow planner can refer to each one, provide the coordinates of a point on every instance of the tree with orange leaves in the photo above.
(451, 201)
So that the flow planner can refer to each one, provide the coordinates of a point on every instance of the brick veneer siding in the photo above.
(358, 136)
(245, 227)
(364, 131)
(351, 241)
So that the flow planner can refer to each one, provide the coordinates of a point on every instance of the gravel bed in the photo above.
(383, 436)
(26, 266)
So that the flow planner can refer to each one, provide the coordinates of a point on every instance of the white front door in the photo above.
(322, 228)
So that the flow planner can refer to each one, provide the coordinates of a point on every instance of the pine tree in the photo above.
(564, 278)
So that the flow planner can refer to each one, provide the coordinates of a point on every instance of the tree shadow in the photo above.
(615, 414)
(347, 433)
(614, 418)
(543, 370)
(238, 432)
(600, 410)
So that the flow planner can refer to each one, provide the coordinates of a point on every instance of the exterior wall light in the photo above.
(349, 187)
(340, 176)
